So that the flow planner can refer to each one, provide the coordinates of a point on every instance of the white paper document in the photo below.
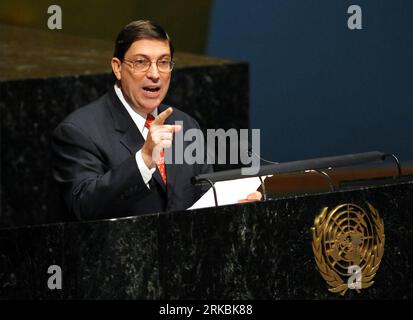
(228, 192)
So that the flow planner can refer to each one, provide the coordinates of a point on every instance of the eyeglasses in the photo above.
(143, 65)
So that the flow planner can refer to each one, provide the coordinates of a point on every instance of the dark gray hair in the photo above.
(137, 30)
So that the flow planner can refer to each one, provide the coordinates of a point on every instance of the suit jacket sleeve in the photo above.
(90, 190)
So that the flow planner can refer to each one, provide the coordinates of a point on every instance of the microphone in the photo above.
(251, 153)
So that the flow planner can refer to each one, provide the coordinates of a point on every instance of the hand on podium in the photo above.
(252, 197)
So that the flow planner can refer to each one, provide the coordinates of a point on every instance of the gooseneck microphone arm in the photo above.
(399, 169)
(213, 189)
(251, 152)
(264, 191)
(325, 175)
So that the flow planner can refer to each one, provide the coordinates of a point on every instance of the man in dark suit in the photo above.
(109, 155)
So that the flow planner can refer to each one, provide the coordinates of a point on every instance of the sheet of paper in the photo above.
(228, 192)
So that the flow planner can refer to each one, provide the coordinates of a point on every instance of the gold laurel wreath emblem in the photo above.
(372, 259)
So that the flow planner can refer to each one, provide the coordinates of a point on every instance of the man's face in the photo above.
(144, 90)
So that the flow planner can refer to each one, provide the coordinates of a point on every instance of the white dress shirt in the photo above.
(139, 119)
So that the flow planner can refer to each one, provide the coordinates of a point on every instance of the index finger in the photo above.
(160, 119)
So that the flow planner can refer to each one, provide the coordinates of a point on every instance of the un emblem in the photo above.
(348, 243)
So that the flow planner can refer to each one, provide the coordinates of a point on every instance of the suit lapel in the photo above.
(131, 138)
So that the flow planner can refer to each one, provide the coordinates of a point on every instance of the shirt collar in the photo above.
(138, 118)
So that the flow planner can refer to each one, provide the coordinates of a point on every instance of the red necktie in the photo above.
(161, 161)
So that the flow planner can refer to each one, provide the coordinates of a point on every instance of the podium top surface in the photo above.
(33, 53)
